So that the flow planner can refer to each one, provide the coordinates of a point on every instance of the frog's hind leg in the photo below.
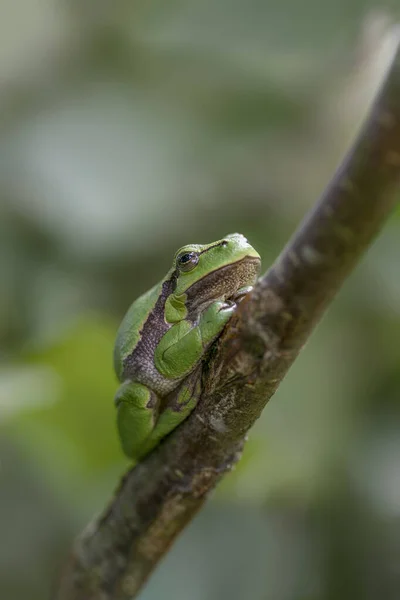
(137, 409)
(171, 415)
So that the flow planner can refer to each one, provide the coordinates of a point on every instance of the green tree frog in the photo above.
(166, 333)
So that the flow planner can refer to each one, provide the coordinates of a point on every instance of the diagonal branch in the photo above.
(115, 555)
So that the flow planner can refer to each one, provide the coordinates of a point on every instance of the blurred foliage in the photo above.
(126, 130)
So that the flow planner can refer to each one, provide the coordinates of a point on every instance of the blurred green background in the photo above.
(128, 129)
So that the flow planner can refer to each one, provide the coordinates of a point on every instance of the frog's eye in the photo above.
(186, 261)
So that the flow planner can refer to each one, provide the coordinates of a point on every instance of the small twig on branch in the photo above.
(115, 555)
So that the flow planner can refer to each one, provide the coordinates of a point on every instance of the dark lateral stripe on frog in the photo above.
(222, 282)
(153, 329)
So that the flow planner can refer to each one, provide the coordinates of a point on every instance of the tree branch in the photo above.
(115, 555)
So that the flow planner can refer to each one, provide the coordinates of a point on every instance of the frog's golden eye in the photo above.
(186, 261)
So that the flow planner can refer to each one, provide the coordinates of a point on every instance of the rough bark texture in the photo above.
(116, 554)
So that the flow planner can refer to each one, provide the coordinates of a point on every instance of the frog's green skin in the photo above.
(167, 331)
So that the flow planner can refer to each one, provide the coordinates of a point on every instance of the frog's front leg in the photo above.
(182, 347)
(137, 409)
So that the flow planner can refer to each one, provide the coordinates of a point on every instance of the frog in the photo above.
(166, 334)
